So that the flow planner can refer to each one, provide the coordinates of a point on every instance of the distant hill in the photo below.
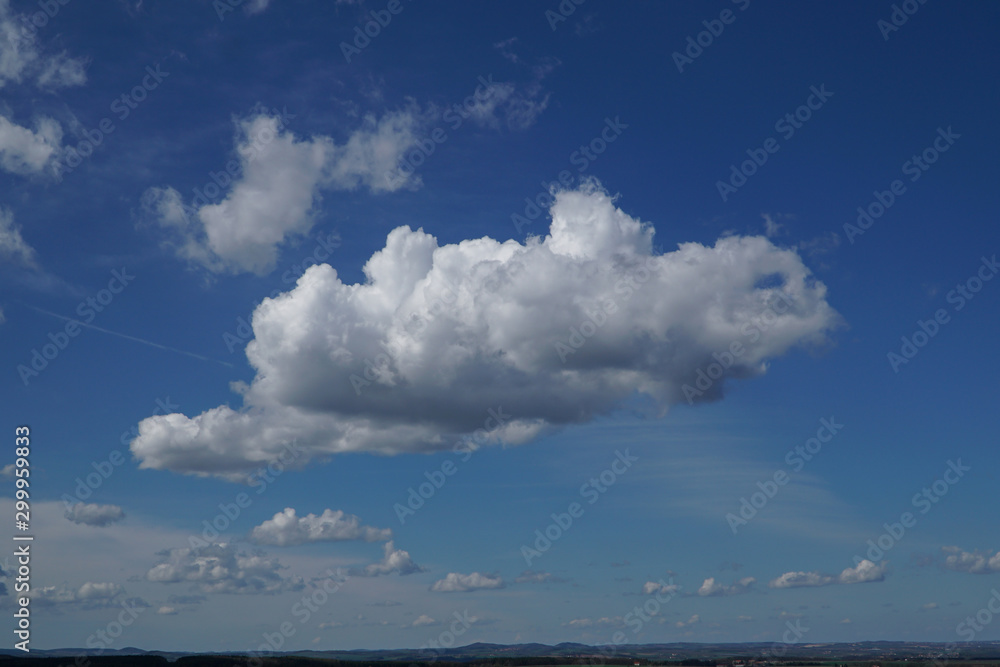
(515, 655)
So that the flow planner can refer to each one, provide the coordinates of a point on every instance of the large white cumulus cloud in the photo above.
(412, 359)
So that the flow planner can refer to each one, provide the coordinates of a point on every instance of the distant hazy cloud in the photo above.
(220, 568)
(92, 514)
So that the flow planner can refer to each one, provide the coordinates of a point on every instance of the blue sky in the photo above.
(553, 216)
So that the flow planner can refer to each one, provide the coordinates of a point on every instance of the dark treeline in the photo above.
(547, 661)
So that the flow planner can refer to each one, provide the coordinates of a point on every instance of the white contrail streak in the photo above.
(121, 335)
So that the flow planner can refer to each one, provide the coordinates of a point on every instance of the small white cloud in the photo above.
(656, 587)
(25, 152)
(92, 514)
(90, 595)
(695, 618)
(394, 561)
(98, 591)
(975, 562)
(801, 579)
(455, 582)
(286, 529)
(166, 611)
(771, 227)
(422, 621)
(711, 588)
(864, 572)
